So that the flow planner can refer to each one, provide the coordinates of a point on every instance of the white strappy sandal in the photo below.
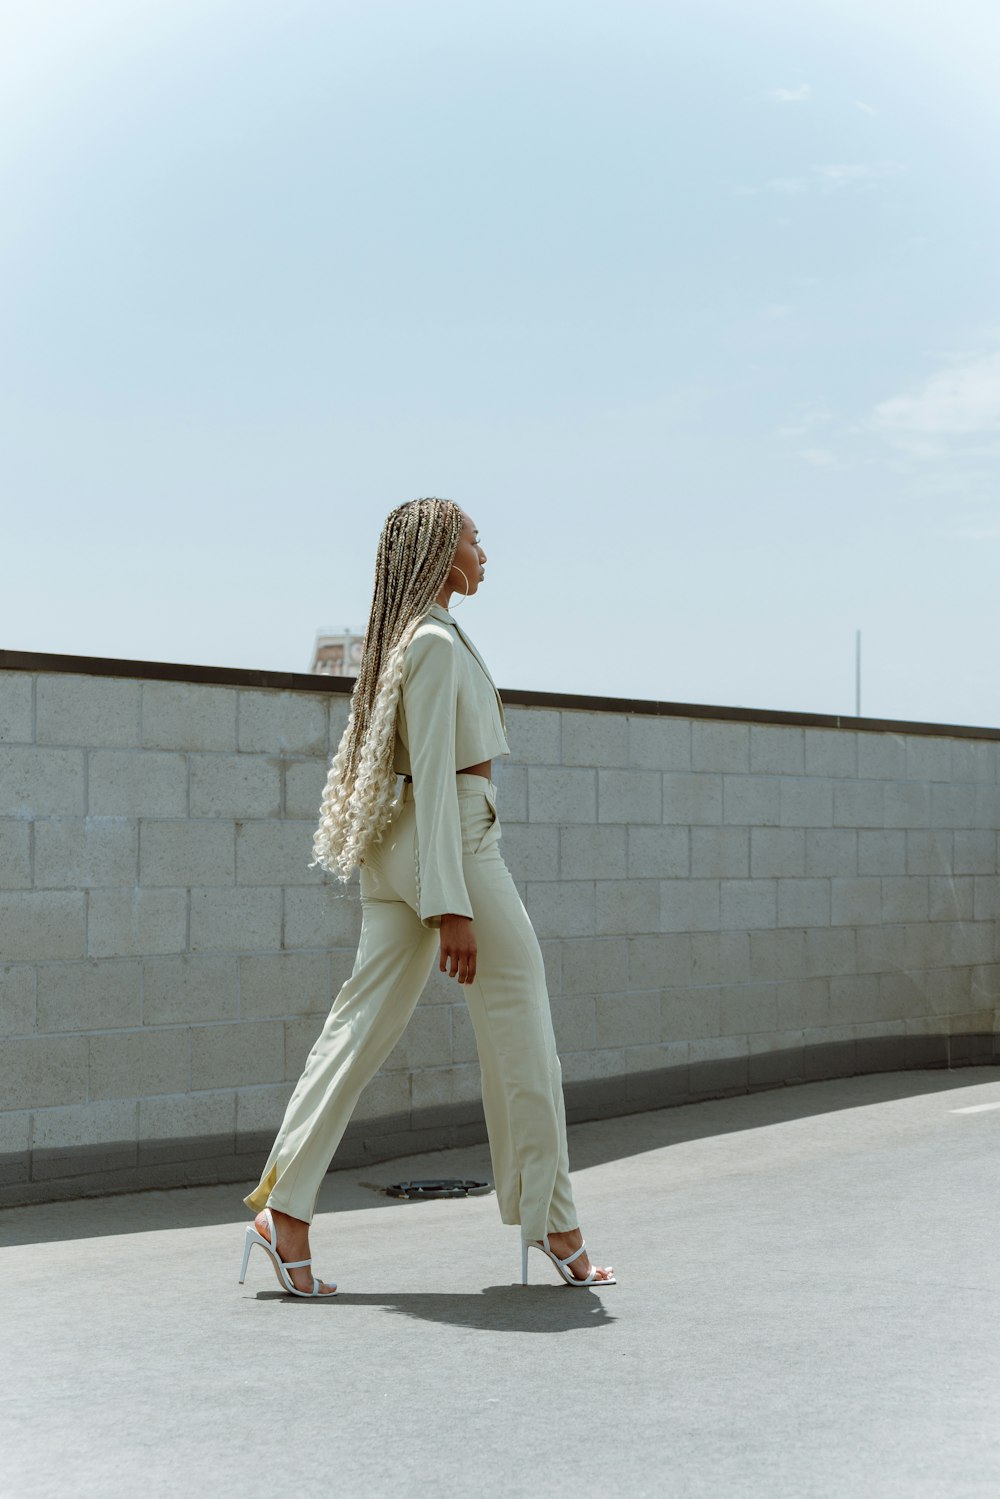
(281, 1267)
(593, 1279)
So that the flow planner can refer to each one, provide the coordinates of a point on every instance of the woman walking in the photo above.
(433, 883)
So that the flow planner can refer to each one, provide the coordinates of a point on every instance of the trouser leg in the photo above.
(522, 1078)
(369, 1015)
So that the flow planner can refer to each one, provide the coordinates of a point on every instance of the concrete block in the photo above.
(565, 794)
(971, 760)
(260, 1109)
(594, 965)
(574, 1020)
(928, 758)
(720, 957)
(15, 707)
(929, 851)
(86, 710)
(831, 851)
(905, 898)
(881, 851)
(224, 919)
(182, 852)
(136, 922)
(426, 1042)
(987, 806)
(907, 804)
(986, 903)
(961, 942)
(305, 781)
(285, 984)
(276, 853)
(855, 902)
(946, 991)
(985, 988)
(17, 999)
(807, 801)
(590, 1066)
(593, 853)
(511, 782)
(41, 924)
(15, 854)
(562, 908)
(270, 722)
(900, 995)
(748, 903)
(301, 1035)
(98, 994)
(534, 736)
(137, 783)
(689, 906)
(780, 954)
(690, 1012)
(627, 906)
(99, 1123)
(803, 903)
(190, 989)
(188, 716)
(339, 709)
(41, 782)
(777, 853)
(952, 898)
(692, 798)
(720, 746)
(632, 796)
(329, 916)
(37, 1072)
(932, 944)
(777, 749)
(882, 757)
(829, 950)
(628, 1020)
(748, 1008)
(440, 1088)
(858, 804)
(463, 1036)
(802, 1002)
(137, 1064)
(753, 801)
(661, 853)
(854, 998)
(955, 806)
(659, 743)
(594, 739)
(235, 786)
(530, 853)
(657, 962)
(82, 852)
(236, 1056)
(206, 1117)
(880, 948)
(830, 752)
(975, 851)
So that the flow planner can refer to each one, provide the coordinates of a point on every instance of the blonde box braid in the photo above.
(415, 553)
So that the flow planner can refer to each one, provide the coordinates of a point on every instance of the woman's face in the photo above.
(469, 559)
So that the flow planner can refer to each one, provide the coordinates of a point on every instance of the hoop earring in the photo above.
(464, 595)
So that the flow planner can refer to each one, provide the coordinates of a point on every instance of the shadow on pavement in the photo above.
(513, 1308)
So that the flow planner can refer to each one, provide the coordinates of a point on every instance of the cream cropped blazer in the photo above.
(449, 716)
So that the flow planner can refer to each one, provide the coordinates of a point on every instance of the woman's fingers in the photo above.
(458, 948)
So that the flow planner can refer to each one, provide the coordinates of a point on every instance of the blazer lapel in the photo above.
(472, 648)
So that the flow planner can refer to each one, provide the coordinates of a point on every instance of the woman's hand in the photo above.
(458, 948)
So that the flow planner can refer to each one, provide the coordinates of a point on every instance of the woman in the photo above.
(432, 881)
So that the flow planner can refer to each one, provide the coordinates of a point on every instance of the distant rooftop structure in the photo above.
(337, 655)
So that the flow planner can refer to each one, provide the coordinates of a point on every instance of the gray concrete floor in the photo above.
(807, 1306)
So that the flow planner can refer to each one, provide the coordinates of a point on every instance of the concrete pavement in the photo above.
(808, 1298)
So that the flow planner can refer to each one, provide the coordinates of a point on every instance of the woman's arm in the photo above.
(430, 697)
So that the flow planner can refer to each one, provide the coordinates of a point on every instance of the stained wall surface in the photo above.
(725, 900)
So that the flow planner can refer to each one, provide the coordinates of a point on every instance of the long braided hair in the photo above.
(414, 559)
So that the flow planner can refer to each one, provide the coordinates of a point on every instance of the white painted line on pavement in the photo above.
(975, 1108)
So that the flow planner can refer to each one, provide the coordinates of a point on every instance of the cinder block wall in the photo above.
(725, 903)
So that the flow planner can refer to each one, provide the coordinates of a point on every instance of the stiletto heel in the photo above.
(281, 1267)
(593, 1279)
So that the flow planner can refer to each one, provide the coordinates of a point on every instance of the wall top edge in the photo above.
(236, 676)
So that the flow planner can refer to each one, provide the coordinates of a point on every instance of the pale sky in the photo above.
(694, 306)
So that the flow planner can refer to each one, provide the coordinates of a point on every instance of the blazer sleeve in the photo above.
(430, 700)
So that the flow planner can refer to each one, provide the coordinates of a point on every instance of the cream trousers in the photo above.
(508, 1003)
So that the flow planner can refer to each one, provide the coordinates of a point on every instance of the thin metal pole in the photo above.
(857, 674)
